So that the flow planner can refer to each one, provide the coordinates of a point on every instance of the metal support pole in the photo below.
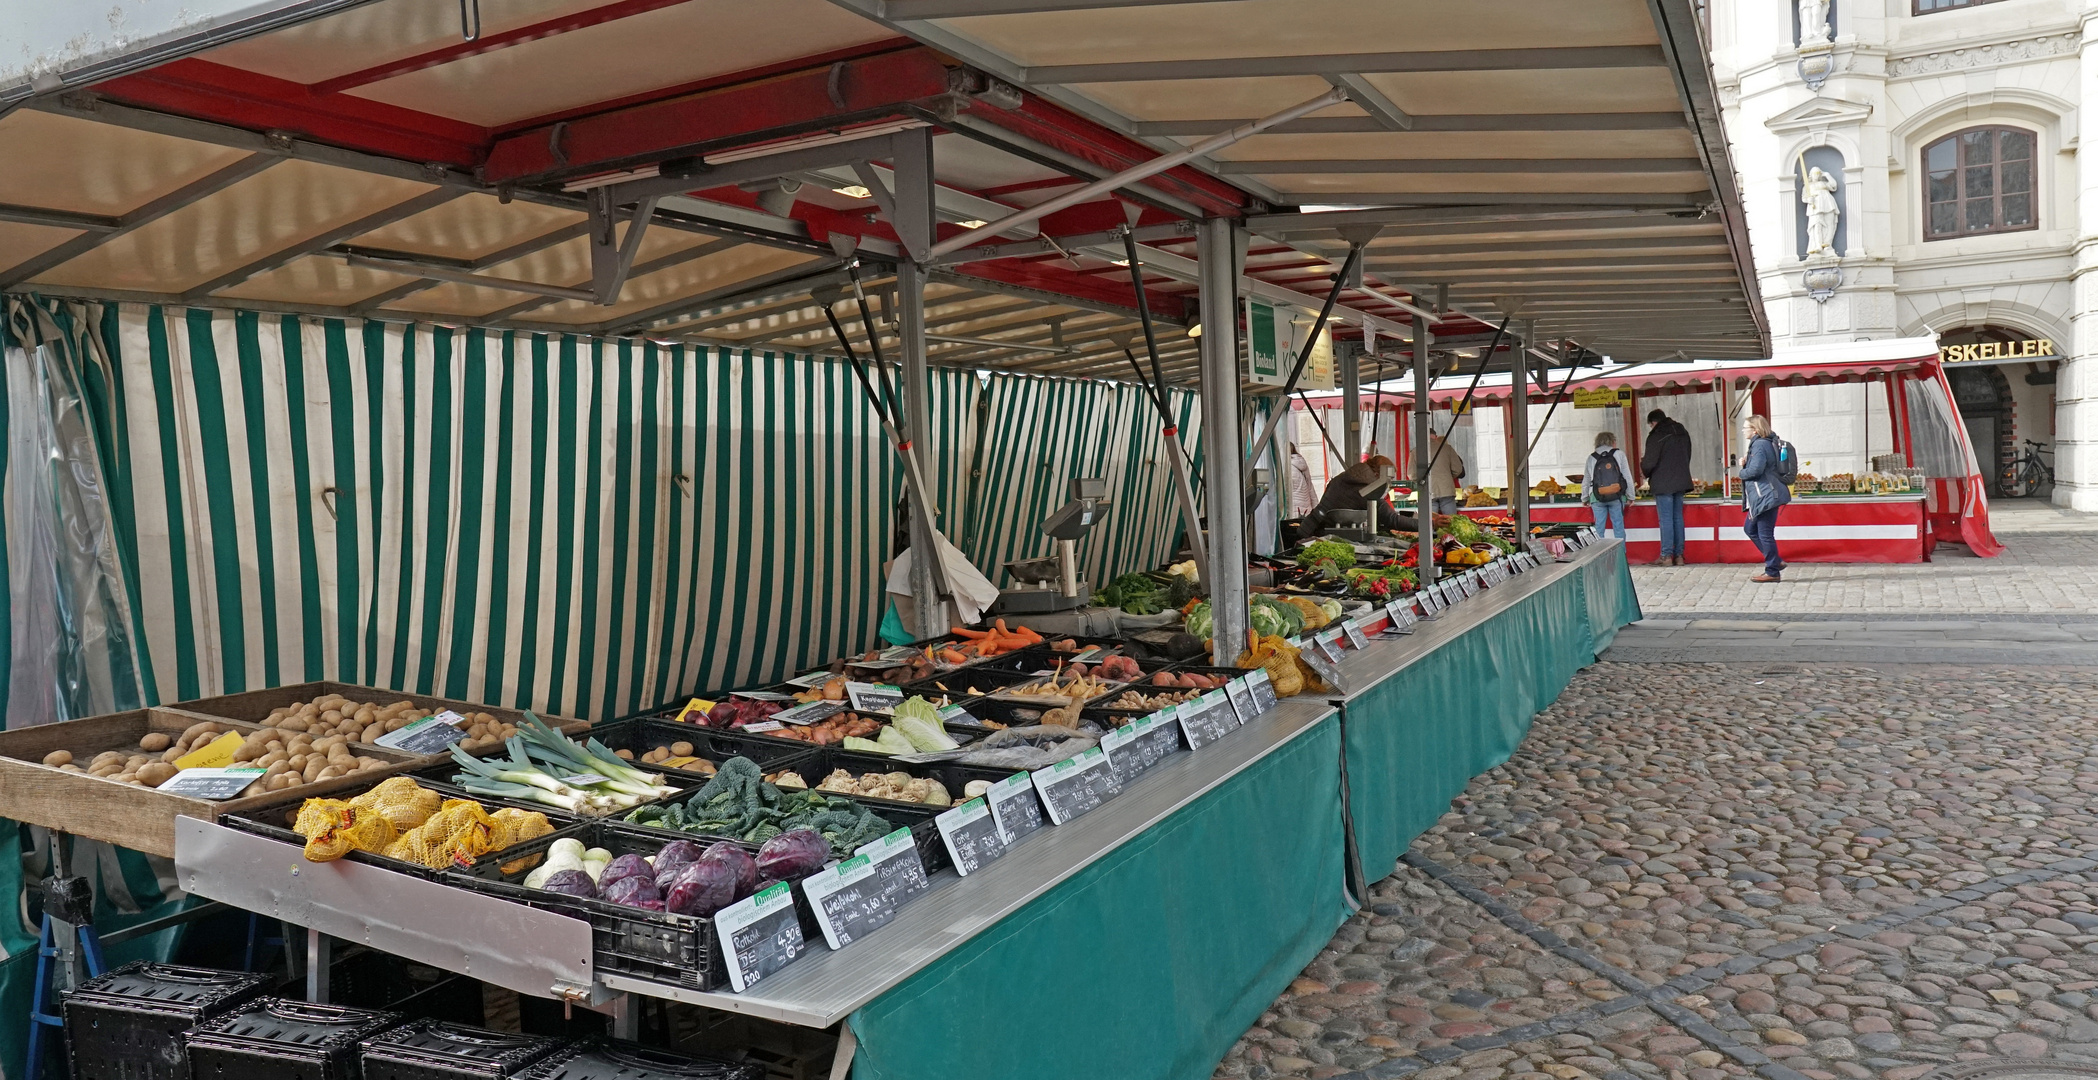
(1223, 446)
(914, 226)
(1423, 491)
(1351, 407)
(320, 952)
(1519, 446)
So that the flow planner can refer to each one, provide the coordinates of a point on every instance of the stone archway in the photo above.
(1983, 394)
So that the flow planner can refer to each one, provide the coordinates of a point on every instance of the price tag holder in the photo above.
(1207, 719)
(955, 714)
(811, 680)
(1140, 744)
(1327, 670)
(1263, 690)
(1240, 693)
(972, 836)
(759, 695)
(1430, 599)
(762, 726)
(804, 715)
(1086, 655)
(213, 784)
(1353, 631)
(874, 697)
(1016, 807)
(1077, 784)
(1328, 643)
(759, 935)
(861, 894)
(428, 735)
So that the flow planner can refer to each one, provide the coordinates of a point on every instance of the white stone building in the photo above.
(1953, 127)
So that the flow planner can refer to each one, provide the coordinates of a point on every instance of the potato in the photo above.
(274, 757)
(276, 715)
(250, 751)
(172, 754)
(59, 757)
(155, 741)
(275, 769)
(107, 756)
(125, 777)
(396, 723)
(71, 768)
(190, 733)
(329, 773)
(281, 781)
(313, 768)
(156, 774)
(364, 714)
(136, 760)
(627, 754)
(372, 763)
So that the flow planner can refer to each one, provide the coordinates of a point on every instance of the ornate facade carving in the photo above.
(2004, 52)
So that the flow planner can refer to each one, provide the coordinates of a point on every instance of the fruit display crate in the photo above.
(657, 946)
(127, 1024)
(254, 705)
(140, 818)
(610, 1059)
(913, 816)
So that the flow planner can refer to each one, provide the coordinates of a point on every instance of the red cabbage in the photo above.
(701, 889)
(624, 867)
(675, 856)
(793, 855)
(739, 861)
(570, 883)
(632, 890)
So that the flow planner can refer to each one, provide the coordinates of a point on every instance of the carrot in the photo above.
(1029, 636)
(949, 656)
(975, 635)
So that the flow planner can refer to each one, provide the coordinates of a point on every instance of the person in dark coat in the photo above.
(1763, 494)
(1667, 467)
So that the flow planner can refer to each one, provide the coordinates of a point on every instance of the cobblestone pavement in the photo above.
(1844, 872)
(2041, 573)
(2027, 639)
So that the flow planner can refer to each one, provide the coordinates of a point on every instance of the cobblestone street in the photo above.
(1700, 870)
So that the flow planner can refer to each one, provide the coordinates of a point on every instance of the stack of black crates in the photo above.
(148, 1021)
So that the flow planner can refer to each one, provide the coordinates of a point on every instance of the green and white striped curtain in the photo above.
(584, 526)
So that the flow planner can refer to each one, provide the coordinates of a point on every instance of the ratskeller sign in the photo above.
(2035, 348)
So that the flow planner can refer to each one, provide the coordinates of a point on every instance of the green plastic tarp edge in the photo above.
(1122, 970)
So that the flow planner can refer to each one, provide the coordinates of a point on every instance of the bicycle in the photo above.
(2028, 472)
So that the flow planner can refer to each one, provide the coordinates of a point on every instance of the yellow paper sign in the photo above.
(678, 762)
(695, 711)
(217, 754)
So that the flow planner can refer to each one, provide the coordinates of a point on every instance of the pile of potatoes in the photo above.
(288, 758)
(332, 715)
(662, 754)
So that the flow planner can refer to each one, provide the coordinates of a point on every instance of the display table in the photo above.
(1812, 528)
(1429, 711)
(1177, 911)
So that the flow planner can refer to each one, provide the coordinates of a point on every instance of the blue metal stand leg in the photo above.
(43, 1003)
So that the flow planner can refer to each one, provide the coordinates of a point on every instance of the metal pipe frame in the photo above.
(1222, 442)
(1519, 431)
(216, 181)
(1423, 492)
(1446, 122)
(1575, 58)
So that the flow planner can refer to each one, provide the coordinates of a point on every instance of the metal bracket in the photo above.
(610, 263)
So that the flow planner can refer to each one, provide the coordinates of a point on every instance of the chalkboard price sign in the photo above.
(971, 835)
(759, 935)
(1263, 688)
(1354, 633)
(1077, 784)
(1207, 718)
(1016, 807)
(1140, 744)
(861, 894)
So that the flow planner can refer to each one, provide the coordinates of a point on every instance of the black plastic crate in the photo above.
(440, 1050)
(717, 745)
(1027, 713)
(951, 775)
(967, 683)
(275, 822)
(677, 950)
(280, 1039)
(127, 1024)
(612, 1059)
(913, 816)
(365, 978)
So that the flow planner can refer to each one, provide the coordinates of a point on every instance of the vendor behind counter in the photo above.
(1345, 492)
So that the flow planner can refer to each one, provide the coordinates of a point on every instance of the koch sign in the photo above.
(1984, 351)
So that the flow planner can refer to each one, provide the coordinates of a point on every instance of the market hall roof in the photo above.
(1562, 164)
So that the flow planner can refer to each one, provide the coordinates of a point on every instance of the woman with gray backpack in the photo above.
(1606, 485)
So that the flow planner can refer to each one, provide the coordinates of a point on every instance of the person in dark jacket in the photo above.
(1667, 467)
(1763, 494)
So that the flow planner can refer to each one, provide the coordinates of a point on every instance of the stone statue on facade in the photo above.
(1813, 22)
(1823, 215)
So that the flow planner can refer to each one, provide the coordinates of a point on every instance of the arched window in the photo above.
(1979, 181)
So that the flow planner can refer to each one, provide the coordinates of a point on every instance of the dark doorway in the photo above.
(1984, 398)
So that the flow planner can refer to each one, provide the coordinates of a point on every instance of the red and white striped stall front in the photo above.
(1822, 528)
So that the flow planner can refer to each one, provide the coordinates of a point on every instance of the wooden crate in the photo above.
(256, 705)
(135, 817)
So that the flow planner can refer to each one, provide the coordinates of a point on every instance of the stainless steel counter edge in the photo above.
(522, 948)
(822, 989)
(1386, 657)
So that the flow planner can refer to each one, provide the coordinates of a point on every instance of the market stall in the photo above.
(1928, 491)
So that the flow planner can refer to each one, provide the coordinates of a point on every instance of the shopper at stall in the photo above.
(1301, 500)
(1763, 493)
(1445, 468)
(1667, 467)
(1607, 484)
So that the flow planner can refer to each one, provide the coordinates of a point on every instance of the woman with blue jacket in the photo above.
(1763, 493)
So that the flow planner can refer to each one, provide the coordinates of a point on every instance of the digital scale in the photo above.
(1053, 583)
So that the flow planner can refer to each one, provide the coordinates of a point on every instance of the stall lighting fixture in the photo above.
(854, 191)
(973, 223)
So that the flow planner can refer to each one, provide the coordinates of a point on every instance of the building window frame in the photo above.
(1961, 172)
(1933, 7)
